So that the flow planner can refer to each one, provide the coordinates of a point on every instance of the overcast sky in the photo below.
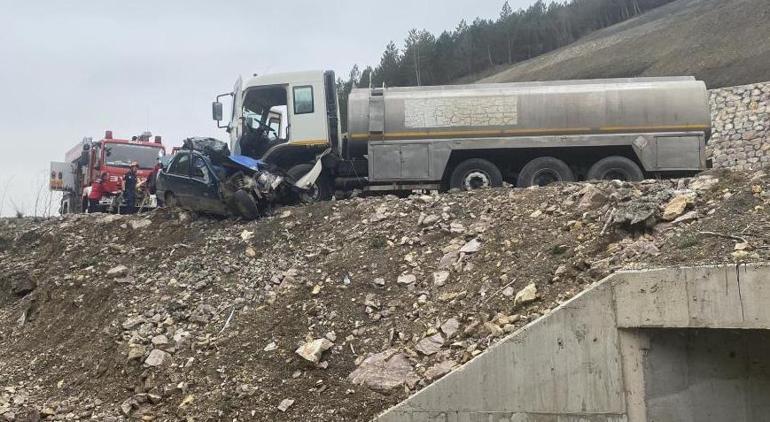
(70, 69)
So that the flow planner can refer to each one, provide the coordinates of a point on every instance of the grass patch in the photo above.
(687, 241)
(378, 242)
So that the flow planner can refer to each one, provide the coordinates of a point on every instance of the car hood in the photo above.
(245, 163)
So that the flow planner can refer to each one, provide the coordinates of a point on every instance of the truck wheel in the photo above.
(543, 171)
(615, 168)
(245, 205)
(322, 189)
(475, 173)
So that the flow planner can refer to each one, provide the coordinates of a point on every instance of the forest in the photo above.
(485, 44)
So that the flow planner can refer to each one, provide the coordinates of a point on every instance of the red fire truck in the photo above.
(88, 159)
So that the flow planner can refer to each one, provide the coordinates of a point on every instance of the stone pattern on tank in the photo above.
(740, 118)
(441, 112)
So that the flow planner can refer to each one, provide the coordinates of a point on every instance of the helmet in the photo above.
(134, 164)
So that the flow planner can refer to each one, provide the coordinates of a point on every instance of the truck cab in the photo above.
(285, 119)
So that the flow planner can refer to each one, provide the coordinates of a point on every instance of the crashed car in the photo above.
(204, 177)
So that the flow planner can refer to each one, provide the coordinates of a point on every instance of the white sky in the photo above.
(70, 69)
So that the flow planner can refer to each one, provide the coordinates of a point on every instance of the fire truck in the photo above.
(87, 160)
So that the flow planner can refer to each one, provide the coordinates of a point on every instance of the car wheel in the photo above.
(543, 171)
(475, 173)
(245, 204)
(321, 190)
(615, 168)
(171, 201)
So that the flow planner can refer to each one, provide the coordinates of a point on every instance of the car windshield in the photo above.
(121, 155)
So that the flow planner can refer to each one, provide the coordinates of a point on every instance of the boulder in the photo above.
(385, 371)
(526, 295)
(430, 345)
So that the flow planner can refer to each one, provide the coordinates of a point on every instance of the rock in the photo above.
(246, 235)
(676, 206)
(536, 213)
(313, 350)
(250, 252)
(159, 340)
(688, 216)
(450, 327)
(591, 197)
(526, 295)
(406, 279)
(132, 322)
(472, 246)
(140, 224)
(384, 371)
(270, 347)
(136, 351)
(285, 405)
(429, 220)
(508, 291)
(157, 358)
(379, 282)
(447, 260)
(23, 286)
(440, 278)
(440, 369)
(430, 345)
(493, 329)
(119, 271)
(703, 183)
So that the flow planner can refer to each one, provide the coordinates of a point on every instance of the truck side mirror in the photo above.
(216, 111)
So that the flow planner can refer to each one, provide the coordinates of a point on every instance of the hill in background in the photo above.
(723, 42)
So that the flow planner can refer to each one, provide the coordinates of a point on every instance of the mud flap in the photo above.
(306, 181)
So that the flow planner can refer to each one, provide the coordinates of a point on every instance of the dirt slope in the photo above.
(170, 317)
(723, 42)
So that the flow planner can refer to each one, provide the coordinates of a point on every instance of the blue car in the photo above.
(234, 186)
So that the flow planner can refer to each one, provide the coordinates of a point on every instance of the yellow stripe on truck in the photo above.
(310, 142)
(503, 132)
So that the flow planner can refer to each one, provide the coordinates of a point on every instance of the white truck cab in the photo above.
(283, 118)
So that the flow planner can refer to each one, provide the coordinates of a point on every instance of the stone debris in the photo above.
(204, 316)
(526, 295)
(385, 371)
(430, 345)
(312, 351)
(285, 405)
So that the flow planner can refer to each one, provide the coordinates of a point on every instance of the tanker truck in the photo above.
(468, 136)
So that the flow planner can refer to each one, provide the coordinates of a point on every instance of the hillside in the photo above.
(329, 312)
(724, 42)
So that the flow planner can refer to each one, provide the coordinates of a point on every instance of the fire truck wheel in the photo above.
(543, 171)
(322, 189)
(245, 204)
(475, 173)
(615, 168)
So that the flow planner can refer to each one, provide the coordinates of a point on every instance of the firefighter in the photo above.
(97, 191)
(129, 187)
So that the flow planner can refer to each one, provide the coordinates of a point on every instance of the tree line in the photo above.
(514, 36)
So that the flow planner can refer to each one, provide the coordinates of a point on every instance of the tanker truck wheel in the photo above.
(615, 168)
(322, 189)
(543, 171)
(475, 173)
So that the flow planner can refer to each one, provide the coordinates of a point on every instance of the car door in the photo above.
(205, 187)
(178, 180)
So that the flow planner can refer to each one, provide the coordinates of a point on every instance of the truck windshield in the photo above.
(121, 155)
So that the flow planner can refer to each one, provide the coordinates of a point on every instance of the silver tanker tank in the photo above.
(609, 106)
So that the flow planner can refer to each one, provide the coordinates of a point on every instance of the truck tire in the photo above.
(615, 167)
(543, 171)
(245, 204)
(322, 189)
(475, 173)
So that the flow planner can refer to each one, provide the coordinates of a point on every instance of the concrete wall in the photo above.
(740, 119)
(598, 357)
